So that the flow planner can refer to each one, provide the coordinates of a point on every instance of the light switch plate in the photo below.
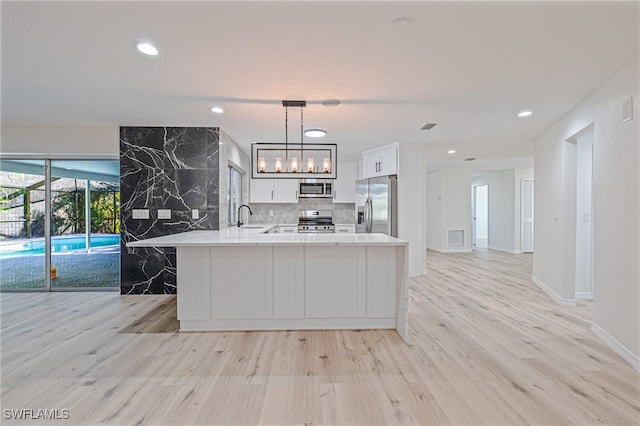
(195, 214)
(140, 214)
(164, 213)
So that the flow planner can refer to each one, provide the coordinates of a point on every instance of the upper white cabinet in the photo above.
(381, 161)
(273, 191)
(344, 187)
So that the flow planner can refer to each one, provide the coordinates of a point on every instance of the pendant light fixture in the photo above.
(300, 160)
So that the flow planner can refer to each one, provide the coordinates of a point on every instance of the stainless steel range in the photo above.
(315, 221)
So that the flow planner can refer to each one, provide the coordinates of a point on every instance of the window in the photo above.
(234, 197)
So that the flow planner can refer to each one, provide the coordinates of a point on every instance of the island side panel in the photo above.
(193, 280)
(402, 294)
(335, 281)
(381, 282)
(241, 282)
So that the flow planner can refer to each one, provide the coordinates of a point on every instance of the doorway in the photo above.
(584, 224)
(578, 185)
(481, 216)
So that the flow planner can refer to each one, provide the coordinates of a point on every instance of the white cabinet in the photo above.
(344, 187)
(345, 229)
(262, 191)
(274, 191)
(382, 161)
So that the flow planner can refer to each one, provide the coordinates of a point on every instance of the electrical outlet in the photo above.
(270, 212)
(195, 214)
(140, 214)
(164, 213)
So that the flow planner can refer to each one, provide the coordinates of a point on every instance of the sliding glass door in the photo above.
(22, 224)
(85, 224)
(68, 238)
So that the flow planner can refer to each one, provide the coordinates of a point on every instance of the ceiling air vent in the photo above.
(428, 126)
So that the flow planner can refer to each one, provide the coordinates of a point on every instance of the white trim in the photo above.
(503, 249)
(57, 156)
(584, 295)
(449, 250)
(616, 346)
(559, 300)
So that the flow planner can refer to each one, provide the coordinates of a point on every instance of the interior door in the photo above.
(526, 212)
(480, 233)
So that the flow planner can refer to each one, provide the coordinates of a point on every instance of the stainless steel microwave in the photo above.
(315, 188)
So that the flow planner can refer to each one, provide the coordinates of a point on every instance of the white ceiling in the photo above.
(468, 66)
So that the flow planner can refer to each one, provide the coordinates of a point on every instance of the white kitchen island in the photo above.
(246, 279)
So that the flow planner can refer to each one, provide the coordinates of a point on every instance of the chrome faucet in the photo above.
(240, 217)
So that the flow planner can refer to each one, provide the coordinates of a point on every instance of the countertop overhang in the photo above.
(257, 237)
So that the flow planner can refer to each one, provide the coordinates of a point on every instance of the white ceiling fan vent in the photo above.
(428, 126)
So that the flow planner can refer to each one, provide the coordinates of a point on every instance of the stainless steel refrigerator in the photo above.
(376, 205)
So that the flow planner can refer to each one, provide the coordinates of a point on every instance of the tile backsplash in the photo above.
(287, 213)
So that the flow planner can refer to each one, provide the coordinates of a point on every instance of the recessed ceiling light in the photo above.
(524, 113)
(147, 48)
(451, 151)
(315, 133)
(217, 110)
(400, 25)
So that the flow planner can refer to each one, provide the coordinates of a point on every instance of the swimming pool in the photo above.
(59, 244)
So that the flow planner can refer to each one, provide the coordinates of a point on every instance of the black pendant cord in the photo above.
(302, 138)
(286, 139)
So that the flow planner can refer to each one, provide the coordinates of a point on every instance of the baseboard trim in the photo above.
(584, 295)
(556, 298)
(450, 250)
(505, 250)
(616, 346)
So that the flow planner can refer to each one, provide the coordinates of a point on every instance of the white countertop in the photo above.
(255, 236)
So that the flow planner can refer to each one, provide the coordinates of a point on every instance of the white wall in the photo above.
(57, 140)
(616, 210)
(449, 208)
(411, 204)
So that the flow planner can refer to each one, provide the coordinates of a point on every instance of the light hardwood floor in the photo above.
(487, 347)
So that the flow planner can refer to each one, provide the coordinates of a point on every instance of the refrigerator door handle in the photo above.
(369, 215)
(366, 215)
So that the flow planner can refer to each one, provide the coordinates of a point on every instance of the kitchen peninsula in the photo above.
(249, 279)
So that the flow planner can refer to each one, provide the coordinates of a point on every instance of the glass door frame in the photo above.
(47, 158)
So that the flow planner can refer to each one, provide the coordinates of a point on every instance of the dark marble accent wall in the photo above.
(173, 168)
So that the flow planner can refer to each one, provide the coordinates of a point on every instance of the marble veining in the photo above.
(173, 168)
